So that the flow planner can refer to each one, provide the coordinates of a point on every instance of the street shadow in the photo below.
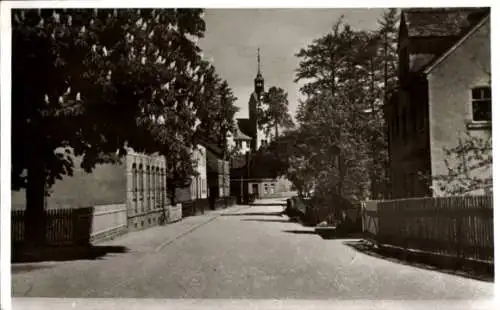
(15, 269)
(267, 220)
(254, 214)
(325, 235)
(267, 204)
(301, 232)
(471, 270)
(334, 235)
(60, 253)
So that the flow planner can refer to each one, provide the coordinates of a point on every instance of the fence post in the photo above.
(459, 244)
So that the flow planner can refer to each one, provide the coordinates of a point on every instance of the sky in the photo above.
(233, 35)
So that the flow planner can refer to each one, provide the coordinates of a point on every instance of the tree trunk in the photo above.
(171, 192)
(276, 130)
(34, 216)
(373, 138)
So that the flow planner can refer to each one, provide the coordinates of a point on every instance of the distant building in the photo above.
(198, 186)
(444, 92)
(242, 142)
(211, 182)
(249, 138)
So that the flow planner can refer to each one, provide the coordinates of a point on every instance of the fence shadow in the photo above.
(69, 253)
(267, 220)
(254, 214)
(267, 204)
(472, 270)
(300, 232)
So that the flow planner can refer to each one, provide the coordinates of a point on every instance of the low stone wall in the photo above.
(108, 221)
(175, 213)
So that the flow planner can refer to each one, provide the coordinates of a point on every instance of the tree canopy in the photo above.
(339, 147)
(93, 82)
(273, 112)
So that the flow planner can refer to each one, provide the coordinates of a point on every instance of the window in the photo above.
(140, 180)
(158, 186)
(134, 186)
(481, 104)
(147, 189)
(162, 186)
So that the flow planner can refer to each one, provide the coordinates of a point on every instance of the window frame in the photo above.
(483, 99)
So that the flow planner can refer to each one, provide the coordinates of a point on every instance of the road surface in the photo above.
(241, 252)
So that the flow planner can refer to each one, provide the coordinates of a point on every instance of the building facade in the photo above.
(444, 95)
(125, 196)
(198, 188)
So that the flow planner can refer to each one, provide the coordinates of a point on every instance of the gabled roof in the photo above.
(212, 147)
(420, 61)
(431, 66)
(240, 135)
(441, 22)
(448, 25)
(245, 126)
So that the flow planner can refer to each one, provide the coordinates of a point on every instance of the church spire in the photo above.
(258, 61)
(259, 80)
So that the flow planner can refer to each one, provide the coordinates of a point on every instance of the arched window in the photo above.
(140, 181)
(148, 188)
(158, 186)
(134, 186)
(162, 186)
(152, 189)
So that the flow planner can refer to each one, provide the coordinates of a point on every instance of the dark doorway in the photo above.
(255, 190)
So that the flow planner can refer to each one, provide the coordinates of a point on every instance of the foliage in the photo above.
(339, 148)
(273, 111)
(102, 80)
(469, 166)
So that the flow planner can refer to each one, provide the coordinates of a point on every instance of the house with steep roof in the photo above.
(242, 141)
(444, 95)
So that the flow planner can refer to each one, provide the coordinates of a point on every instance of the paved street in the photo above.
(242, 252)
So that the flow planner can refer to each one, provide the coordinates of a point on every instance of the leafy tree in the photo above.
(98, 81)
(273, 112)
(336, 88)
(215, 108)
(226, 113)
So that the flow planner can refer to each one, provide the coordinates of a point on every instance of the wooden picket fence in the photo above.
(63, 227)
(454, 226)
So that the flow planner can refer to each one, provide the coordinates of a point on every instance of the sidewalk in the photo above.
(149, 240)
(156, 238)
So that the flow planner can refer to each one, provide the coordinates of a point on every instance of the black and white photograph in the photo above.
(246, 158)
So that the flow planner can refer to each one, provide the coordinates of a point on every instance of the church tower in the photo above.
(259, 80)
(254, 103)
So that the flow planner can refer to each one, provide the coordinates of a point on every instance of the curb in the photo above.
(429, 258)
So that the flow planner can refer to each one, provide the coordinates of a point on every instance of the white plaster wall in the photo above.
(450, 108)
